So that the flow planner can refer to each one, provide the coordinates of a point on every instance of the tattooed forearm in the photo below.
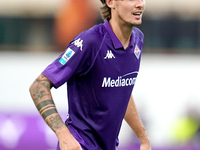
(45, 103)
(46, 108)
(41, 95)
(38, 94)
(55, 122)
(48, 113)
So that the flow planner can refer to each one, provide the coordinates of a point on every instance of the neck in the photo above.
(122, 31)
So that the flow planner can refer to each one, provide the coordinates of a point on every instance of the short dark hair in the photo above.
(105, 11)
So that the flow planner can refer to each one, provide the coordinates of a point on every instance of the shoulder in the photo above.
(91, 37)
(138, 33)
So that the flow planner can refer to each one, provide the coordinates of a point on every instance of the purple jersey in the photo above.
(100, 76)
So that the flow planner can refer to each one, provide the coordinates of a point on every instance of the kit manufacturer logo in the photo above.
(109, 55)
(78, 43)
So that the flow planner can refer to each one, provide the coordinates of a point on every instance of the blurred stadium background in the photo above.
(33, 33)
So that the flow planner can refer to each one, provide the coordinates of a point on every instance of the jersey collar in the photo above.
(116, 42)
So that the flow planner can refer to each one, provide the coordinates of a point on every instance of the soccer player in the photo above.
(100, 67)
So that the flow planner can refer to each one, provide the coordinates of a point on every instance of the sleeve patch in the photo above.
(66, 56)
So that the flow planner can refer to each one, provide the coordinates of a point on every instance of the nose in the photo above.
(140, 4)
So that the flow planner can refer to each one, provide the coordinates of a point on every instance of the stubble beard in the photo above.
(129, 23)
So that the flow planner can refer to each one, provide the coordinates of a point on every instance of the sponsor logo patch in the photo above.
(121, 81)
(137, 52)
(66, 56)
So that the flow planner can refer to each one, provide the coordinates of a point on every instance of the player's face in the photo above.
(129, 11)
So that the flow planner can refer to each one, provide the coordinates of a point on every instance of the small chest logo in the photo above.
(109, 55)
(137, 52)
(78, 43)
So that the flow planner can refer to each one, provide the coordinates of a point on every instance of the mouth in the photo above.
(137, 14)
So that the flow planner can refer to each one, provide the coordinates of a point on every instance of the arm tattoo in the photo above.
(41, 87)
(46, 108)
(44, 103)
(48, 84)
(55, 122)
(38, 94)
(48, 113)
(44, 82)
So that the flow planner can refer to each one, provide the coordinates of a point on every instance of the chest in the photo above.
(117, 63)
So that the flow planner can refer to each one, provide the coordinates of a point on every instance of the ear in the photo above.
(110, 3)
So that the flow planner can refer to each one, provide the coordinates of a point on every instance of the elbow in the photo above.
(40, 88)
(31, 90)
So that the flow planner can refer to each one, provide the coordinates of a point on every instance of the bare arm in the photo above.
(41, 95)
(134, 121)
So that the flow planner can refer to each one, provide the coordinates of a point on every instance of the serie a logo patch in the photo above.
(66, 56)
(137, 52)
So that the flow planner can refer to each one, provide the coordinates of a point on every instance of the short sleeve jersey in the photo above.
(100, 76)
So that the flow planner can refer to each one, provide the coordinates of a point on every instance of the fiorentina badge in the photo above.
(137, 52)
